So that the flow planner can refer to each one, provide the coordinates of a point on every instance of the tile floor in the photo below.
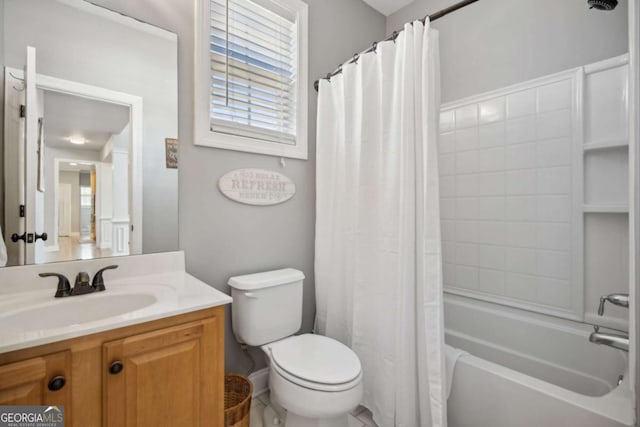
(361, 417)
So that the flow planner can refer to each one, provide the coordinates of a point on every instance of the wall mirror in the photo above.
(88, 119)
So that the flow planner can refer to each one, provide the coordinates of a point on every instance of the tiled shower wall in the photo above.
(534, 193)
(506, 193)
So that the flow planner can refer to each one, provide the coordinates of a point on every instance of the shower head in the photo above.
(602, 4)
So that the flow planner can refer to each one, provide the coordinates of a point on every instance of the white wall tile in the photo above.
(447, 142)
(449, 274)
(522, 261)
(448, 252)
(492, 257)
(467, 185)
(521, 182)
(554, 264)
(467, 231)
(555, 152)
(554, 180)
(491, 208)
(491, 184)
(467, 116)
(448, 186)
(521, 130)
(492, 110)
(447, 164)
(522, 208)
(554, 236)
(491, 135)
(467, 254)
(491, 159)
(467, 162)
(491, 233)
(521, 286)
(491, 281)
(521, 156)
(554, 208)
(511, 197)
(447, 121)
(521, 103)
(466, 208)
(448, 230)
(556, 124)
(448, 208)
(521, 234)
(554, 292)
(466, 139)
(466, 277)
(556, 96)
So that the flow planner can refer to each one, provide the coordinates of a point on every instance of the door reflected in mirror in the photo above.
(90, 96)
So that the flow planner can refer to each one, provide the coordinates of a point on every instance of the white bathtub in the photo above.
(528, 370)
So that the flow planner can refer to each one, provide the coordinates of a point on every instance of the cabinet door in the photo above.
(170, 377)
(29, 382)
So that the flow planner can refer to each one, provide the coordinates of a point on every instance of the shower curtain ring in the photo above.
(355, 58)
(394, 36)
(374, 47)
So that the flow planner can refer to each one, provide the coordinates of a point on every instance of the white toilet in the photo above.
(315, 379)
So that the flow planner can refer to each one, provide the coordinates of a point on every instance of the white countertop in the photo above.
(34, 317)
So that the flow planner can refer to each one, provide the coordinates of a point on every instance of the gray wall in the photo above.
(73, 179)
(222, 238)
(495, 43)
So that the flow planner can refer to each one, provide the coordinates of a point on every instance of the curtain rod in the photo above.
(394, 35)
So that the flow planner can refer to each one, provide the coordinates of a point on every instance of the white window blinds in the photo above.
(253, 54)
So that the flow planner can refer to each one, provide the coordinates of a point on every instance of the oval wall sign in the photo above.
(257, 186)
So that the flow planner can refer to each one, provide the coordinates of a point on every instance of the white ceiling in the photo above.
(387, 7)
(70, 115)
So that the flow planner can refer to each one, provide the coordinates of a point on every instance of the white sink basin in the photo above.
(71, 311)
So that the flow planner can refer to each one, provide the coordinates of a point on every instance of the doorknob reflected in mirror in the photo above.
(15, 237)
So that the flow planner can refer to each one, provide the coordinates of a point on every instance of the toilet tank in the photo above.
(266, 306)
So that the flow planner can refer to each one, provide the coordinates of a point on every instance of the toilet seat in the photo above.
(316, 362)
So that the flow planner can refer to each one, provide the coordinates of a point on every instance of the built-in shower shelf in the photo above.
(606, 145)
(613, 208)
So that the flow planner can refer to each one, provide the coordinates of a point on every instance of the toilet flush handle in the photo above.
(250, 295)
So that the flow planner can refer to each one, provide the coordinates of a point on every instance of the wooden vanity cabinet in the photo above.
(37, 381)
(165, 372)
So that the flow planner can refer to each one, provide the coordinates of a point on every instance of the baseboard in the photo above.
(260, 380)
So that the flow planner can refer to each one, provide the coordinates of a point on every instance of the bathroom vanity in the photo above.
(147, 351)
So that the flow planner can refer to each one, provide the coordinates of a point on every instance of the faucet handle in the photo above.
(98, 280)
(619, 299)
(64, 287)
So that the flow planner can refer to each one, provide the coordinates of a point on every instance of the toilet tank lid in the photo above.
(267, 279)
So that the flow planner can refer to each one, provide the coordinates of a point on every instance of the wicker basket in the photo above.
(237, 400)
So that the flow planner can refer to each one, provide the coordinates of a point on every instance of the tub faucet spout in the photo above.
(619, 341)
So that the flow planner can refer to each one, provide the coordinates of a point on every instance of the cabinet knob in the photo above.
(57, 383)
(116, 367)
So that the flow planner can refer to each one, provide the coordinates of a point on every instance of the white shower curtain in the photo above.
(378, 252)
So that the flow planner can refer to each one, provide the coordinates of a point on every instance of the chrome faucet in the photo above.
(621, 300)
(619, 341)
(81, 285)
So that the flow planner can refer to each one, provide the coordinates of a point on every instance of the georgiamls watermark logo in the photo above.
(31, 416)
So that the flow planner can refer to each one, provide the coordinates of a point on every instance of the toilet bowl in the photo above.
(314, 381)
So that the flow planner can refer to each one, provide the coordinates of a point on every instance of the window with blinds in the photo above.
(254, 71)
